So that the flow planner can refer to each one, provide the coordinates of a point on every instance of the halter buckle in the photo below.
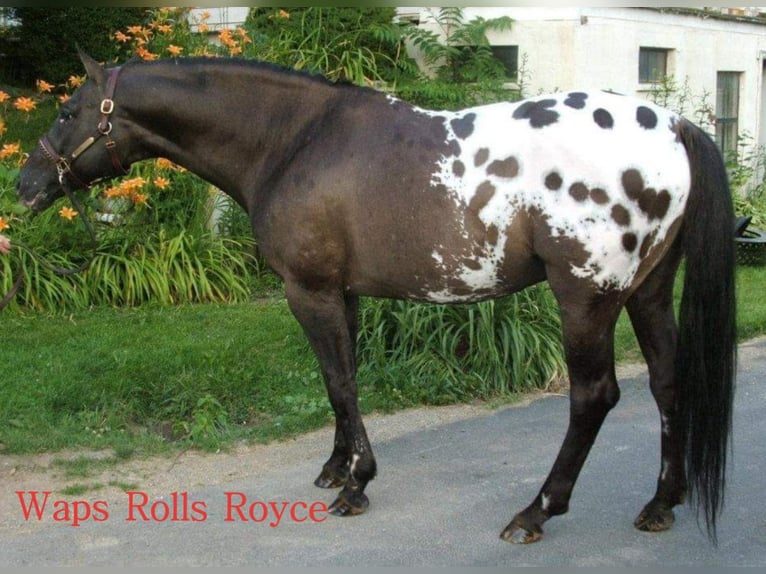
(107, 106)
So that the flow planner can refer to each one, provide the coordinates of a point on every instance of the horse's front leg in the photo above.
(335, 471)
(588, 343)
(329, 320)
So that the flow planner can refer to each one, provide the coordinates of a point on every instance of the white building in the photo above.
(217, 18)
(720, 53)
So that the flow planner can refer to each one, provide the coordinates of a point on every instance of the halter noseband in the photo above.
(64, 163)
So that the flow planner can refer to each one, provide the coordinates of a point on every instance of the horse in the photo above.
(354, 193)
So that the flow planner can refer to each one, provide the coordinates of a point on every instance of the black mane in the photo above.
(247, 64)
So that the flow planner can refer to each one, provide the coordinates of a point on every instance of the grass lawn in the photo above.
(130, 379)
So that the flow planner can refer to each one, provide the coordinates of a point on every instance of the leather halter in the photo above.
(64, 163)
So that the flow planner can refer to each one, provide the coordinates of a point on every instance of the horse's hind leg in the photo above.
(651, 312)
(588, 326)
(329, 321)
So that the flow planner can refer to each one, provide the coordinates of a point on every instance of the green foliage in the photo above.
(165, 254)
(746, 172)
(443, 353)
(24, 128)
(669, 94)
(336, 42)
(207, 422)
(44, 45)
(194, 374)
(461, 70)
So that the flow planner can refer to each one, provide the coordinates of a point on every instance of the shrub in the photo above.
(44, 45)
(461, 70)
(443, 353)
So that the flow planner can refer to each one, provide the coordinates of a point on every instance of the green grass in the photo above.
(751, 313)
(148, 379)
(115, 377)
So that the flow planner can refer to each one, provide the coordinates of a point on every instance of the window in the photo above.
(652, 65)
(469, 56)
(509, 56)
(727, 111)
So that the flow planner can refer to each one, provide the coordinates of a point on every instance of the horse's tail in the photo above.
(707, 346)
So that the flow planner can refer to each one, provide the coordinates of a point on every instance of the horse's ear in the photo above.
(94, 69)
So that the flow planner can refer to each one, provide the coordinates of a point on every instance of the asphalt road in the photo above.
(442, 497)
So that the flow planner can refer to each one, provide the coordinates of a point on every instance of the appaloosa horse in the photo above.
(354, 193)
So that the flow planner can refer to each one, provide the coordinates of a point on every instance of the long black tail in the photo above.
(707, 344)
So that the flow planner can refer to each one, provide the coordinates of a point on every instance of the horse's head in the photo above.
(79, 148)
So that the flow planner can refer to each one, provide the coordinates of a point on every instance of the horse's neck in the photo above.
(225, 124)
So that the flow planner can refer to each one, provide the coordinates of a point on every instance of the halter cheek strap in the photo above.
(64, 164)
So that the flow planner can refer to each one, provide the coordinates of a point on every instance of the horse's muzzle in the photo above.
(35, 201)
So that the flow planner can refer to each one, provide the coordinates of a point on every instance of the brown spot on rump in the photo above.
(553, 181)
(603, 119)
(654, 204)
(629, 242)
(453, 147)
(576, 100)
(483, 194)
(458, 168)
(508, 167)
(492, 234)
(471, 264)
(621, 215)
(662, 204)
(481, 156)
(538, 113)
(463, 127)
(599, 196)
(632, 183)
(578, 191)
(646, 118)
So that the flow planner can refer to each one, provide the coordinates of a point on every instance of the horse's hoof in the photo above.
(655, 518)
(329, 478)
(349, 504)
(517, 534)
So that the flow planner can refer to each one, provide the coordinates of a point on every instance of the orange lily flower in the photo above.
(67, 213)
(9, 150)
(43, 86)
(24, 104)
